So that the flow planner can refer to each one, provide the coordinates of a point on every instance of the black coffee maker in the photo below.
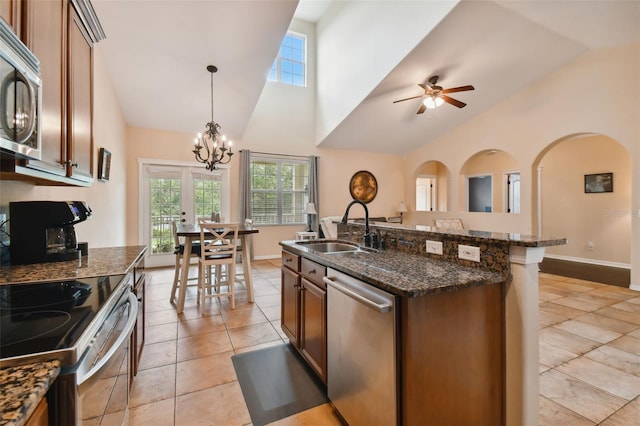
(43, 231)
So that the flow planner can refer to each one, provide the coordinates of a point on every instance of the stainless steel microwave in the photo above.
(20, 97)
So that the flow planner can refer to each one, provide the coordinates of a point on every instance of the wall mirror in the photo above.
(490, 182)
(432, 180)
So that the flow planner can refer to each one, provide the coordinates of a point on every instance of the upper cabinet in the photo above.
(61, 34)
(10, 11)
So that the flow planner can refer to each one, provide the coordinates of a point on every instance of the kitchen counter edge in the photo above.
(99, 262)
(400, 273)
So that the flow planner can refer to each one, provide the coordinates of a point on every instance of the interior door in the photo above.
(177, 193)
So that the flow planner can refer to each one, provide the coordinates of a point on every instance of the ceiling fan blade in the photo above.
(458, 89)
(452, 101)
(406, 99)
(421, 109)
(425, 87)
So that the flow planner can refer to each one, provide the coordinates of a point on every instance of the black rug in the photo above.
(277, 383)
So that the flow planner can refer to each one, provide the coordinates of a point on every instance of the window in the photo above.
(289, 66)
(279, 189)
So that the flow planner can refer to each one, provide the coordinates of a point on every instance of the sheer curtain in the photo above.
(314, 196)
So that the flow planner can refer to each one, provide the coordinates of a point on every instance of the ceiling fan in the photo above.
(435, 95)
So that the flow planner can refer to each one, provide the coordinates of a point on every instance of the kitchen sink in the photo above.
(331, 247)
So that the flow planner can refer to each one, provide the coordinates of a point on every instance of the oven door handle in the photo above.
(93, 374)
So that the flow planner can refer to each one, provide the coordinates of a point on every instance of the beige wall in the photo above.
(604, 218)
(527, 123)
(108, 200)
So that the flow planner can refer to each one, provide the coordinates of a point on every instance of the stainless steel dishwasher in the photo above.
(361, 351)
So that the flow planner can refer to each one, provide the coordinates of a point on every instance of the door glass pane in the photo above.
(207, 196)
(480, 194)
(165, 208)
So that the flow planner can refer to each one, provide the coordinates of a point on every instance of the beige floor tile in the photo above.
(206, 372)
(635, 300)
(629, 415)
(161, 317)
(272, 313)
(578, 396)
(554, 414)
(159, 305)
(602, 376)
(322, 415)
(561, 292)
(220, 405)
(607, 323)
(627, 343)
(610, 312)
(553, 356)
(575, 284)
(567, 341)
(203, 345)
(553, 313)
(635, 333)
(159, 413)
(615, 293)
(153, 385)
(260, 346)
(616, 358)
(267, 301)
(589, 331)
(243, 317)
(585, 283)
(584, 302)
(161, 333)
(627, 306)
(194, 311)
(544, 296)
(252, 335)
(158, 354)
(200, 325)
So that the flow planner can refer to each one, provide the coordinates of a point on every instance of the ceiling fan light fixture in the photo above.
(433, 102)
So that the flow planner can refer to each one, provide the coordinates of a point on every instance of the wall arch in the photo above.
(441, 172)
(597, 226)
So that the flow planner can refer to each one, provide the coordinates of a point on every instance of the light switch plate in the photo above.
(469, 253)
(434, 247)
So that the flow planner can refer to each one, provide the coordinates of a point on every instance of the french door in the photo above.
(177, 193)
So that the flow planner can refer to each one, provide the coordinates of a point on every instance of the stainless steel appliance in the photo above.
(361, 351)
(85, 323)
(20, 97)
(43, 231)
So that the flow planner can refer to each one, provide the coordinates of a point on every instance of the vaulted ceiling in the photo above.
(156, 53)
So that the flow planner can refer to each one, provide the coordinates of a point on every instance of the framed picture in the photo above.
(599, 182)
(363, 186)
(104, 164)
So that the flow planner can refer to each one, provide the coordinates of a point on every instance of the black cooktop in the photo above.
(41, 317)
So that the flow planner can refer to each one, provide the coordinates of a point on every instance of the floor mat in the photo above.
(277, 383)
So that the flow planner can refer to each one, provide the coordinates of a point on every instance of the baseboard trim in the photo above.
(589, 261)
(617, 276)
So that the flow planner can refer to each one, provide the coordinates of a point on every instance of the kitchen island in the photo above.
(468, 330)
(28, 376)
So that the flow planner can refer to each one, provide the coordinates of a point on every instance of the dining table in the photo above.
(191, 233)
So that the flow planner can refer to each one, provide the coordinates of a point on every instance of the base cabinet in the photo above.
(40, 416)
(304, 310)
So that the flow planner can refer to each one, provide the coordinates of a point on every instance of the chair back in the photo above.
(218, 239)
(448, 223)
(176, 239)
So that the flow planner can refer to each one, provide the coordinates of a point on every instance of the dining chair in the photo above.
(179, 252)
(218, 248)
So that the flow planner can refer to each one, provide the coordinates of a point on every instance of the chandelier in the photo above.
(211, 148)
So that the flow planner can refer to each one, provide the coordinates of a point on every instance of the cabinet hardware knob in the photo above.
(313, 271)
(288, 259)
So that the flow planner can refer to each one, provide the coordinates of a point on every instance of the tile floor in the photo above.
(589, 354)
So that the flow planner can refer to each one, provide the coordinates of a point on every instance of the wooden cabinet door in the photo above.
(45, 37)
(313, 327)
(290, 305)
(80, 94)
(10, 11)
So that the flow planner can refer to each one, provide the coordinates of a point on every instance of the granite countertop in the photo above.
(513, 239)
(400, 273)
(22, 388)
(100, 261)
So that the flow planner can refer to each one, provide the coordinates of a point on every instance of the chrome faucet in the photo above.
(367, 234)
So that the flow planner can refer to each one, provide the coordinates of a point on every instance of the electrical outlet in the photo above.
(591, 246)
(469, 253)
(434, 247)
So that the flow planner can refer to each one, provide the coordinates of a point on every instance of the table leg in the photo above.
(184, 274)
(246, 265)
